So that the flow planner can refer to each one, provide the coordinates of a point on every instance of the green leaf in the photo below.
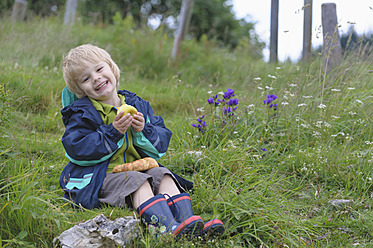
(22, 234)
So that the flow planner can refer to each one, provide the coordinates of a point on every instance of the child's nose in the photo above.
(96, 76)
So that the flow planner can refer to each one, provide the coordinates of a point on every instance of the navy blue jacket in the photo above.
(89, 145)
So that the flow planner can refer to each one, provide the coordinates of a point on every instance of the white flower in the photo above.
(359, 101)
(196, 154)
(284, 103)
(200, 109)
(327, 124)
(269, 88)
(278, 68)
(260, 88)
(209, 92)
(350, 88)
(335, 90)
(302, 104)
(189, 133)
(251, 106)
(322, 106)
(270, 76)
(335, 117)
(257, 79)
(307, 96)
(293, 85)
(315, 133)
(221, 93)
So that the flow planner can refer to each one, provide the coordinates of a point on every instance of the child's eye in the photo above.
(85, 79)
(99, 69)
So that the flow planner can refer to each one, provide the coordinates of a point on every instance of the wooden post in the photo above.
(273, 45)
(185, 16)
(70, 12)
(307, 30)
(332, 51)
(19, 10)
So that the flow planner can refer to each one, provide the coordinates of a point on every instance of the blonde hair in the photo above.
(74, 63)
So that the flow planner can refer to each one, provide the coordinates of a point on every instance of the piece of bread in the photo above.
(137, 165)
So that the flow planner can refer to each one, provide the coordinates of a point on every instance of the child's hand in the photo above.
(122, 123)
(138, 122)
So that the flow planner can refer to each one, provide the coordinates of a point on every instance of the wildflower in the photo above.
(269, 88)
(270, 76)
(263, 149)
(335, 90)
(284, 103)
(228, 94)
(350, 88)
(257, 79)
(270, 99)
(359, 101)
(302, 104)
(201, 124)
(322, 106)
(293, 85)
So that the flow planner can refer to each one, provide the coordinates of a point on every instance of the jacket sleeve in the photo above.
(88, 143)
(155, 137)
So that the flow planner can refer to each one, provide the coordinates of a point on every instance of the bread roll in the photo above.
(137, 165)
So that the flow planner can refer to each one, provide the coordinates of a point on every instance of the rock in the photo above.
(99, 232)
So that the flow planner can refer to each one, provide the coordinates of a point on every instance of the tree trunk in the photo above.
(70, 12)
(19, 10)
(185, 16)
(307, 30)
(274, 32)
(332, 51)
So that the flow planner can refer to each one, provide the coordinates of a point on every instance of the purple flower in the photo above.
(228, 94)
(263, 149)
(275, 106)
(232, 102)
(201, 125)
(270, 99)
(210, 100)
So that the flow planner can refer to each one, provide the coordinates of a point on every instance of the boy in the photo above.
(97, 138)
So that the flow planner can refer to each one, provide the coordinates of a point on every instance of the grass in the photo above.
(270, 179)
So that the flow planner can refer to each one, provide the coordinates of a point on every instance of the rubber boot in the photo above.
(156, 212)
(181, 208)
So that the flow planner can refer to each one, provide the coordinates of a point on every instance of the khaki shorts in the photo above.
(117, 188)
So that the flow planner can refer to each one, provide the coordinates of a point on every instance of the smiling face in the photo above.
(80, 62)
(97, 81)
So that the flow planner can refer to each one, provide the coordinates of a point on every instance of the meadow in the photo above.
(268, 159)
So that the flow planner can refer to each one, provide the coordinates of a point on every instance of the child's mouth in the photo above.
(101, 85)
